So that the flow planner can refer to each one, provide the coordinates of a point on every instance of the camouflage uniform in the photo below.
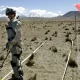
(14, 45)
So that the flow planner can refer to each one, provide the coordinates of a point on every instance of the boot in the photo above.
(16, 78)
(21, 72)
(13, 77)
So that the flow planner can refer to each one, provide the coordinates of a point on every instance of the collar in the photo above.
(13, 19)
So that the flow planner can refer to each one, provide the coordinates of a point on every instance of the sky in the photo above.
(45, 8)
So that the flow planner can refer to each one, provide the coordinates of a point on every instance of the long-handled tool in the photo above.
(4, 60)
(6, 56)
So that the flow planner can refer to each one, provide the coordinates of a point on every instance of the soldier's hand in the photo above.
(7, 45)
(10, 45)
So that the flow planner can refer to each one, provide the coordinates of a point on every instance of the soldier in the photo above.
(13, 44)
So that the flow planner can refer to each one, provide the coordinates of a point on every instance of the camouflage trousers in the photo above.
(16, 52)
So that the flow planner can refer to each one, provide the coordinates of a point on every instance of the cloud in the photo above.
(44, 13)
(38, 11)
(26, 12)
(52, 14)
(21, 10)
(60, 13)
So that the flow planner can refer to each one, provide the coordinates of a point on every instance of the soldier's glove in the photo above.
(9, 45)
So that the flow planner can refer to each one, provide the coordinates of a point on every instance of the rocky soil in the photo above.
(49, 61)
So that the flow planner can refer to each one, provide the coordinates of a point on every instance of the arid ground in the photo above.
(49, 61)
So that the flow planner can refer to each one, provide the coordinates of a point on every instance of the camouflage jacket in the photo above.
(14, 30)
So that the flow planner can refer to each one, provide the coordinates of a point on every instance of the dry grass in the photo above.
(46, 63)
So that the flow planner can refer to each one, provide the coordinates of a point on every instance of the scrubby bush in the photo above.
(64, 55)
(2, 57)
(33, 78)
(50, 39)
(55, 34)
(67, 34)
(72, 63)
(47, 31)
(33, 39)
(66, 28)
(46, 38)
(53, 49)
(30, 61)
(67, 39)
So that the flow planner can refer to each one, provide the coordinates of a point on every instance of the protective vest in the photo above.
(14, 30)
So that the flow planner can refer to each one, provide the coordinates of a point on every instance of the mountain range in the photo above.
(70, 14)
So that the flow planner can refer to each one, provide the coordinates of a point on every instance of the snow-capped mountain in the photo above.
(2, 14)
(32, 14)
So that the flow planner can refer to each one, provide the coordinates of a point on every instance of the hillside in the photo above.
(72, 13)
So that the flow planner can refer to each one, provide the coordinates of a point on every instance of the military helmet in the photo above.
(10, 11)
